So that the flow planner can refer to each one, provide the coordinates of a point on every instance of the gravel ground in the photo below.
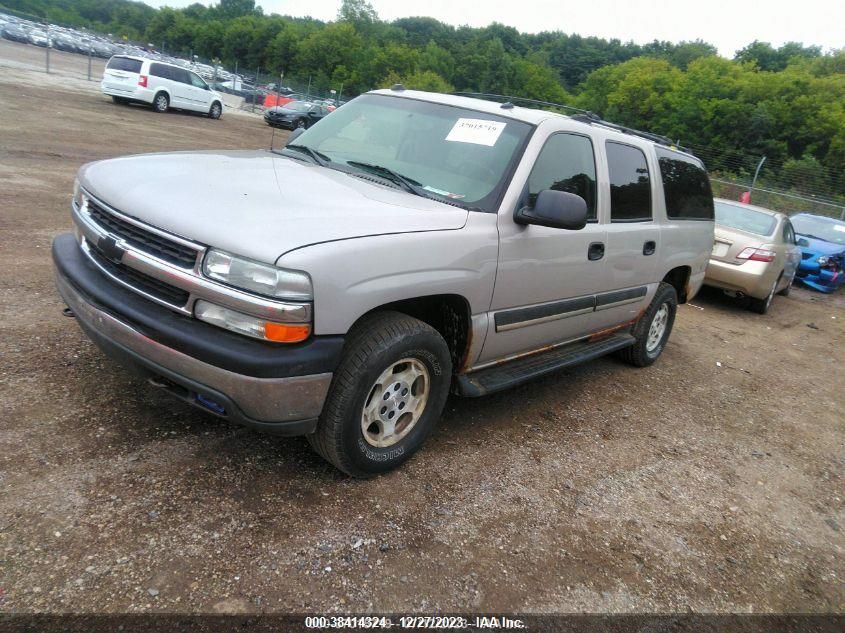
(711, 481)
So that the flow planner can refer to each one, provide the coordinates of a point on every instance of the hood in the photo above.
(820, 247)
(256, 203)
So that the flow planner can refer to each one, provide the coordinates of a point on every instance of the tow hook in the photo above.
(69, 313)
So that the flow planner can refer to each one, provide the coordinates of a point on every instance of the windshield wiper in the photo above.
(408, 184)
(318, 157)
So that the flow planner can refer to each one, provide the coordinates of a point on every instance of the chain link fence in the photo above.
(783, 201)
(789, 186)
(77, 65)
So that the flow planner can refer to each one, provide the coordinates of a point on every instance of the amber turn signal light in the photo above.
(284, 333)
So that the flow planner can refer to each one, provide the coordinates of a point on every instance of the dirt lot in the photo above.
(712, 481)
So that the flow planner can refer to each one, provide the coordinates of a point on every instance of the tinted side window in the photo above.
(566, 163)
(685, 186)
(180, 75)
(160, 70)
(630, 185)
(124, 63)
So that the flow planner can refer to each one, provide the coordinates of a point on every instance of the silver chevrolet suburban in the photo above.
(406, 245)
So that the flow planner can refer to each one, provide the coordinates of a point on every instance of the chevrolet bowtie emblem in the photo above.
(107, 245)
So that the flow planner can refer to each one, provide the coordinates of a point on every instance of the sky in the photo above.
(727, 24)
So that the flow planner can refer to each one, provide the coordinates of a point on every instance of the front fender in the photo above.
(352, 277)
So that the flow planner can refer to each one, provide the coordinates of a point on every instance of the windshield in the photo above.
(737, 217)
(823, 228)
(297, 106)
(454, 154)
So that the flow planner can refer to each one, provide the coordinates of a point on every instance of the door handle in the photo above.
(595, 251)
(649, 247)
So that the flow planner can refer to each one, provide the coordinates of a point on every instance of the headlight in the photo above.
(77, 194)
(256, 277)
(823, 260)
(250, 325)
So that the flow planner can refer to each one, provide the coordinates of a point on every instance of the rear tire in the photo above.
(761, 306)
(302, 124)
(386, 396)
(160, 102)
(216, 110)
(652, 329)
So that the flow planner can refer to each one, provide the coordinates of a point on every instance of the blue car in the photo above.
(822, 242)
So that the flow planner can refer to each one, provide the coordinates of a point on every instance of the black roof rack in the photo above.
(584, 116)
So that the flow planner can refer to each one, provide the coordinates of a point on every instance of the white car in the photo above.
(39, 38)
(162, 85)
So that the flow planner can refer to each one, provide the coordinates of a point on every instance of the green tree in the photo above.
(420, 80)
(357, 12)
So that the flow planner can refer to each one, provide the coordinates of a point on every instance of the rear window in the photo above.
(744, 219)
(685, 186)
(125, 63)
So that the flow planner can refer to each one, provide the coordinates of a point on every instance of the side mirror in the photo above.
(555, 209)
(295, 135)
(802, 242)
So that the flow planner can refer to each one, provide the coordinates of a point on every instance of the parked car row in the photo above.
(758, 253)
(76, 41)
(58, 37)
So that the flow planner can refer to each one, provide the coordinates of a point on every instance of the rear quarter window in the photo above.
(686, 186)
(160, 70)
(125, 63)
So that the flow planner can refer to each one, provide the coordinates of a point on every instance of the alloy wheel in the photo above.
(657, 328)
(395, 402)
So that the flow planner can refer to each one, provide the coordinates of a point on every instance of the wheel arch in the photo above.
(449, 314)
(158, 91)
(679, 278)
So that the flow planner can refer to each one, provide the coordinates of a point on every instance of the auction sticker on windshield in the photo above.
(476, 131)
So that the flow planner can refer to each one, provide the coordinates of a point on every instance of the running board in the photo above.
(520, 370)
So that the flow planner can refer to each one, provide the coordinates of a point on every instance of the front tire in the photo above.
(785, 291)
(216, 110)
(652, 330)
(161, 103)
(120, 100)
(301, 124)
(386, 396)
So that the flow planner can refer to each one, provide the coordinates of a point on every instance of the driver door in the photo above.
(547, 277)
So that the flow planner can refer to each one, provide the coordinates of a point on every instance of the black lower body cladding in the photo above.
(246, 365)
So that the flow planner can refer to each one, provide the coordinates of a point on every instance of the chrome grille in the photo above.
(138, 280)
(146, 241)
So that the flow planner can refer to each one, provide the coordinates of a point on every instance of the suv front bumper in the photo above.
(272, 388)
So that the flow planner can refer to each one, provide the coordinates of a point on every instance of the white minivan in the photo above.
(137, 79)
